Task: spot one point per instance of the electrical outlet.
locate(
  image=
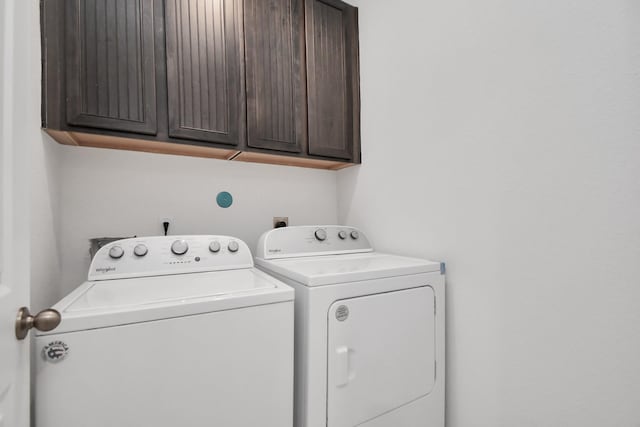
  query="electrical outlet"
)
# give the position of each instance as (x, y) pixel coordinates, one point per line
(280, 221)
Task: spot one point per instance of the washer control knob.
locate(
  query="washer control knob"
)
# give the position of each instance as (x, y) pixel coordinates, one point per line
(140, 250)
(342, 234)
(116, 252)
(233, 246)
(214, 246)
(321, 234)
(179, 247)
(355, 235)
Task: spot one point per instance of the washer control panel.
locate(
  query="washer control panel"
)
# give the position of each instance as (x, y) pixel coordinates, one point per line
(164, 255)
(290, 242)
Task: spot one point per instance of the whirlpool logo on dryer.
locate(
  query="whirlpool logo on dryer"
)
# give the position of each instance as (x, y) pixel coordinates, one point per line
(105, 269)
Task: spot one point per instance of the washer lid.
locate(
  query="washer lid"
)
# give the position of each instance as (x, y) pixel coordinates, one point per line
(333, 269)
(100, 304)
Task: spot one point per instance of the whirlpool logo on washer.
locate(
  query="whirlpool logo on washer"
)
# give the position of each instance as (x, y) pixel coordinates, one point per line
(105, 269)
(55, 351)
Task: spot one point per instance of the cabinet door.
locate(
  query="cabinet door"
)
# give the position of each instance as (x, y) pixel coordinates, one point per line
(110, 65)
(204, 70)
(333, 79)
(274, 55)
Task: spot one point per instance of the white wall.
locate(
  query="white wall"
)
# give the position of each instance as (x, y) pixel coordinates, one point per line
(504, 138)
(43, 174)
(119, 193)
(44, 224)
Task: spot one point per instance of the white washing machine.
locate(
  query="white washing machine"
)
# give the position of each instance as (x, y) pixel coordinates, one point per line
(169, 331)
(369, 329)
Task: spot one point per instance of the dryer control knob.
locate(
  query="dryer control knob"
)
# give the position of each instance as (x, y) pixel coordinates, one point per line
(179, 247)
(233, 246)
(140, 250)
(321, 234)
(355, 235)
(214, 246)
(342, 234)
(116, 252)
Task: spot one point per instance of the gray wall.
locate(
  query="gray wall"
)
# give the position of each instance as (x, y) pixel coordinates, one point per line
(504, 138)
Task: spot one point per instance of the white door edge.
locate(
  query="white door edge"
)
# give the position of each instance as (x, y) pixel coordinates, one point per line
(19, 124)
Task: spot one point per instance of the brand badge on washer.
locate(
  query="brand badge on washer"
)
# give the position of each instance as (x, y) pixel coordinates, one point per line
(55, 351)
(342, 313)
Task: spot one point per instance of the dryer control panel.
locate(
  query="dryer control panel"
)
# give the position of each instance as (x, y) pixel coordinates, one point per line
(164, 255)
(300, 241)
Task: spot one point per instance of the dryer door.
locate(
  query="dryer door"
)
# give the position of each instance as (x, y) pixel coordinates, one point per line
(381, 354)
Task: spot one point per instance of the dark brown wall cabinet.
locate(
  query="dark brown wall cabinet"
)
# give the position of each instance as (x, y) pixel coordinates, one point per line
(273, 81)
(204, 70)
(110, 65)
(274, 54)
(332, 79)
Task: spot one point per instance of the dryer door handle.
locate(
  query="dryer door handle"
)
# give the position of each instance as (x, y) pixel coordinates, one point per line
(341, 376)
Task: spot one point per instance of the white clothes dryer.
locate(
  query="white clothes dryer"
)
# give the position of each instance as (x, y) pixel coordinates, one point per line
(169, 331)
(369, 329)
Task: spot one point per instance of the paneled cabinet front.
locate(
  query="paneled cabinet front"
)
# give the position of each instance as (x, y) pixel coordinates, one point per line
(110, 68)
(205, 76)
(276, 96)
(269, 81)
(332, 79)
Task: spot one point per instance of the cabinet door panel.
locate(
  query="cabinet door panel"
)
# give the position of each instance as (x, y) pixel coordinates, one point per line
(332, 79)
(110, 64)
(204, 70)
(274, 54)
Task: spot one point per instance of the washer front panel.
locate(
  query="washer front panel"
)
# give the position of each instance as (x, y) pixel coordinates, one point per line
(227, 368)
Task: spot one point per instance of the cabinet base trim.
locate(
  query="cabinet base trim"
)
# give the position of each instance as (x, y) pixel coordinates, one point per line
(273, 159)
(119, 143)
(83, 139)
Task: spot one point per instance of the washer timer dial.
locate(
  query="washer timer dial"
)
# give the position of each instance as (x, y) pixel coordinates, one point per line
(179, 247)
(116, 252)
(214, 246)
(233, 246)
(140, 250)
(321, 234)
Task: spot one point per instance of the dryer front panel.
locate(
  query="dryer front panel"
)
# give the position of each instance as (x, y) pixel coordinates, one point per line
(381, 354)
